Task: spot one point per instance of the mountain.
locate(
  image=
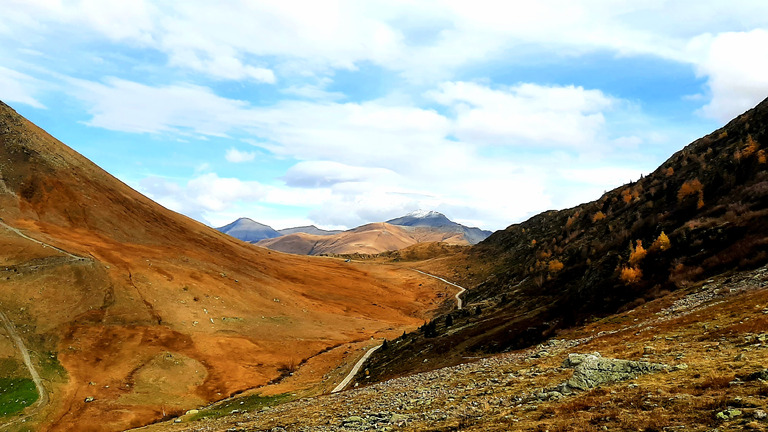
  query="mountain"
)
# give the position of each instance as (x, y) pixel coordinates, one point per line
(249, 230)
(438, 221)
(371, 238)
(131, 312)
(311, 229)
(701, 214)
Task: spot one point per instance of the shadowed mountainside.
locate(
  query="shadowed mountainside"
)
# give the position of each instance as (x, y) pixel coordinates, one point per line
(133, 312)
(702, 213)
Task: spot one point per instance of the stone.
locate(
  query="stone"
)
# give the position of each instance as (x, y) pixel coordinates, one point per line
(89, 399)
(192, 412)
(398, 419)
(592, 370)
(728, 414)
(759, 375)
(352, 419)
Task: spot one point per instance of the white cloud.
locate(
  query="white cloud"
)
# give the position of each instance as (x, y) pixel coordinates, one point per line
(313, 174)
(129, 106)
(236, 156)
(18, 87)
(424, 41)
(525, 114)
(736, 65)
(202, 195)
(376, 160)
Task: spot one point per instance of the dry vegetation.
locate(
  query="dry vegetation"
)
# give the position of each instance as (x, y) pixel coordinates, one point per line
(713, 333)
(134, 313)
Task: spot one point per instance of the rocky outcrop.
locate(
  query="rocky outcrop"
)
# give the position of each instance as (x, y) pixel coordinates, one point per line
(593, 370)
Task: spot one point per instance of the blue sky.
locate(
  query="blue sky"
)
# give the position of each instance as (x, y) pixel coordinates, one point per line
(339, 113)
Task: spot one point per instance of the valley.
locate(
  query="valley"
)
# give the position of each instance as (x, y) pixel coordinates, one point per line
(134, 316)
(132, 313)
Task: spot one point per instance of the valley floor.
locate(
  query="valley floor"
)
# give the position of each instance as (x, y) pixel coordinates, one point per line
(713, 336)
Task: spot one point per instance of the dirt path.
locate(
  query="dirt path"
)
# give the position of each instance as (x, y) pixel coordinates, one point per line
(360, 362)
(43, 399)
(17, 231)
(459, 302)
(354, 370)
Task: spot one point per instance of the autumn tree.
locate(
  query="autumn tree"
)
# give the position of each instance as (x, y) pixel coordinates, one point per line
(637, 253)
(661, 243)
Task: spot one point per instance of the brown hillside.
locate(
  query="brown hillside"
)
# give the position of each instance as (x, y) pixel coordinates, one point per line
(150, 313)
(367, 239)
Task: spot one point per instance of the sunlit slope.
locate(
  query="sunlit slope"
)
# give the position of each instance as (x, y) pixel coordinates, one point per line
(148, 312)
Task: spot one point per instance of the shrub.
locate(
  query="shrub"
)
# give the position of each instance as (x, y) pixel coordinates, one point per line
(630, 275)
(750, 147)
(637, 253)
(689, 188)
(661, 243)
(626, 195)
(598, 216)
(555, 266)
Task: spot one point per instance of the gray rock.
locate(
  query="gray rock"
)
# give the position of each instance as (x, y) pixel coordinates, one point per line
(759, 375)
(728, 414)
(352, 419)
(592, 370)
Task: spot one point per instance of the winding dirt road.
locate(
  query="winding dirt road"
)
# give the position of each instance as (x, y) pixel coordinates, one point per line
(11, 329)
(359, 364)
(15, 230)
(459, 302)
(43, 399)
(354, 370)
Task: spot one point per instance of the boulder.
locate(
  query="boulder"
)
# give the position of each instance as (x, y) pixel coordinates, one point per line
(592, 370)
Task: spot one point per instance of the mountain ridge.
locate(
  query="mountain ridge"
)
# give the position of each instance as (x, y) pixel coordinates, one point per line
(433, 226)
(699, 214)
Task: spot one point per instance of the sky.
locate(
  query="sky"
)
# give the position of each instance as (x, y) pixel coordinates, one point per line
(340, 113)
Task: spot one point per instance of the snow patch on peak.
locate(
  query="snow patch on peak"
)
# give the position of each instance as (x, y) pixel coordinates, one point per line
(421, 214)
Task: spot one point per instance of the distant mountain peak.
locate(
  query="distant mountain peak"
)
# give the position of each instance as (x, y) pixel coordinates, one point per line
(249, 230)
(437, 220)
(421, 214)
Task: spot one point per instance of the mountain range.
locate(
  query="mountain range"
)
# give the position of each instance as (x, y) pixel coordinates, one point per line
(416, 227)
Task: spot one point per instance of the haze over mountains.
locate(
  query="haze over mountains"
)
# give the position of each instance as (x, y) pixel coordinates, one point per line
(416, 227)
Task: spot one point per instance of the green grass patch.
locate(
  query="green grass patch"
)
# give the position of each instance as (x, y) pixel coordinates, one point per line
(245, 403)
(11, 367)
(51, 368)
(16, 394)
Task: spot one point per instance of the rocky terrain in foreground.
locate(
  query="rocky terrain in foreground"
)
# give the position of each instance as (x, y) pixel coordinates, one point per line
(693, 360)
